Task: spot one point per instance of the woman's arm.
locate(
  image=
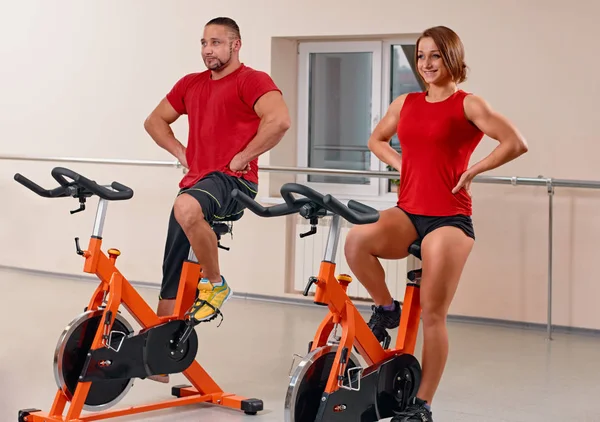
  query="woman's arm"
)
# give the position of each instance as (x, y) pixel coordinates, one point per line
(496, 126)
(379, 141)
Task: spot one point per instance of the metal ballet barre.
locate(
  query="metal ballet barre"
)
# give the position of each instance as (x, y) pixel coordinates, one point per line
(549, 183)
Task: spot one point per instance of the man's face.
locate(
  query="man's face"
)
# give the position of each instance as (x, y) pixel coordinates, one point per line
(218, 46)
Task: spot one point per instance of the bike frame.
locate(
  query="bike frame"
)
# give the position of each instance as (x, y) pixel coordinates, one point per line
(116, 290)
(332, 293)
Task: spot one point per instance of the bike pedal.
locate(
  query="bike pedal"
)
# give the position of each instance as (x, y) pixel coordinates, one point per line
(195, 322)
(387, 341)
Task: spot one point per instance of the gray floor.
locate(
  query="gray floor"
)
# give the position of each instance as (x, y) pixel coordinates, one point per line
(494, 374)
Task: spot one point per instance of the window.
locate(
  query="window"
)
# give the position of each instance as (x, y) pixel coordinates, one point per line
(343, 90)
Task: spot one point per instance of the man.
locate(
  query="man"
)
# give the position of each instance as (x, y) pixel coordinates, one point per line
(235, 114)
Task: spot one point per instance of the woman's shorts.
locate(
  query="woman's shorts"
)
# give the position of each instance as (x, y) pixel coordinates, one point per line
(425, 224)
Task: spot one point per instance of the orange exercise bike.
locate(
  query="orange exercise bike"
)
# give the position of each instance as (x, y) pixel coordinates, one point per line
(98, 356)
(329, 384)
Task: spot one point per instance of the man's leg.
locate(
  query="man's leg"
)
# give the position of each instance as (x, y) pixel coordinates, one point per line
(177, 248)
(191, 217)
(194, 210)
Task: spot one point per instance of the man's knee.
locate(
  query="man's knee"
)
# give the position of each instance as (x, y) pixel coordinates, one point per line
(187, 211)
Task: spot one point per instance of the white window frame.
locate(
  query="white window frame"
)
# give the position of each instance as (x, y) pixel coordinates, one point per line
(386, 100)
(304, 51)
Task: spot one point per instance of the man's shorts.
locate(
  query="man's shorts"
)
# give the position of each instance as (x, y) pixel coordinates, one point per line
(213, 193)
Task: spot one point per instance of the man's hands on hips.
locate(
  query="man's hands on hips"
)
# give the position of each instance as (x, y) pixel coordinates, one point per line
(181, 157)
(239, 164)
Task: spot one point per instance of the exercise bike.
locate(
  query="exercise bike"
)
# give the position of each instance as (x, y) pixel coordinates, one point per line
(329, 384)
(98, 356)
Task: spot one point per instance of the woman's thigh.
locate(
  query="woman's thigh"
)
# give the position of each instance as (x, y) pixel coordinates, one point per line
(387, 238)
(444, 254)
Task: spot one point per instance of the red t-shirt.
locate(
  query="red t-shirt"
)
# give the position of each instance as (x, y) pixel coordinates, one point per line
(221, 117)
(437, 141)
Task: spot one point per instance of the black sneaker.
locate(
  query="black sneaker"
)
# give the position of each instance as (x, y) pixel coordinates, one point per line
(414, 412)
(382, 320)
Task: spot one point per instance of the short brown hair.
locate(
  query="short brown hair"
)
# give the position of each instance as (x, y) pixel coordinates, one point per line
(451, 48)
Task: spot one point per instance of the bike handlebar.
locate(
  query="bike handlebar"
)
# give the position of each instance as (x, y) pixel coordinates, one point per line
(355, 212)
(74, 188)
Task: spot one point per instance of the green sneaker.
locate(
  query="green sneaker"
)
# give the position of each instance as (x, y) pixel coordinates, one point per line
(210, 300)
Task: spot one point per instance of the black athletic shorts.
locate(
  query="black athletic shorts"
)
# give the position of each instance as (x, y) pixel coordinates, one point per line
(213, 193)
(425, 224)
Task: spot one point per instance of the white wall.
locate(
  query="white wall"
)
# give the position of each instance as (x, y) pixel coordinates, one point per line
(78, 78)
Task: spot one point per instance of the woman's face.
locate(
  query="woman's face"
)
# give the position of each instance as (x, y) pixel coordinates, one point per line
(430, 63)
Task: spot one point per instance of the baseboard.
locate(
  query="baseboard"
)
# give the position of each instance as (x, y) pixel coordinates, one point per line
(362, 306)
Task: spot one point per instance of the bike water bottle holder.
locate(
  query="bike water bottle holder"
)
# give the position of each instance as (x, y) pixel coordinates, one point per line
(359, 370)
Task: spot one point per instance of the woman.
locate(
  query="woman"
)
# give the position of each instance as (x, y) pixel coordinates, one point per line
(438, 130)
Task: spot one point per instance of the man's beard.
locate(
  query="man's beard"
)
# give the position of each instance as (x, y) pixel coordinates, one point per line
(218, 65)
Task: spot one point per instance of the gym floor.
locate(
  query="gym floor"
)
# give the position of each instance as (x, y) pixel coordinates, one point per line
(494, 373)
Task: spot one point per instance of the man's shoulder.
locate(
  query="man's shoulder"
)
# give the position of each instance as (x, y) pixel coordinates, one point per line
(195, 77)
(247, 72)
(245, 69)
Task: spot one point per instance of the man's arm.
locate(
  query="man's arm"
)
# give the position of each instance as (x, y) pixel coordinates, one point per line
(274, 122)
(158, 126)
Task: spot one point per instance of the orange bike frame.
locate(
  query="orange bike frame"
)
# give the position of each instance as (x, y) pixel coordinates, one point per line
(118, 291)
(332, 293)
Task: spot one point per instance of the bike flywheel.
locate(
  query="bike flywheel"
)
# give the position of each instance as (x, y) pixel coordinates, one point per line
(308, 383)
(71, 354)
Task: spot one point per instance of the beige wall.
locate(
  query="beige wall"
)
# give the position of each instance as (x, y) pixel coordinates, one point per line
(79, 78)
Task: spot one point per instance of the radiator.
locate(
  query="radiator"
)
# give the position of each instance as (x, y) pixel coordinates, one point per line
(309, 252)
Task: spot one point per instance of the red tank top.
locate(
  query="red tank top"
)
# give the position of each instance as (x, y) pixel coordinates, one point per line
(437, 141)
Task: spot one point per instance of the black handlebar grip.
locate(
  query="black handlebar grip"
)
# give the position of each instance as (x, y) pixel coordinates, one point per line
(289, 188)
(31, 185)
(369, 213)
(46, 193)
(249, 203)
(59, 174)
(273, 211)
(357, 216)
(123, 192)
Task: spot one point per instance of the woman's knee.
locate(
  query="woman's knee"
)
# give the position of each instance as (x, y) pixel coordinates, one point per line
(433, 316)
(357, 244)
(187, 211)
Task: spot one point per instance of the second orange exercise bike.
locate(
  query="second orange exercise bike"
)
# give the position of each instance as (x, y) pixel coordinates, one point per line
(329, 384)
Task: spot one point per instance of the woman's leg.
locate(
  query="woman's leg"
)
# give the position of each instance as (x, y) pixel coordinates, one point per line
(444, 252)
(388, 238)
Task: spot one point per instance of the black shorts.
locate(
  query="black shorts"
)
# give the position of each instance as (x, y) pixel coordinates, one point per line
(213, 193)
(425, 224)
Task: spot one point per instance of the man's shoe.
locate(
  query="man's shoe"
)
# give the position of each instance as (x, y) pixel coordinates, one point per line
(210, 300)
(382, 319)
(416, 411)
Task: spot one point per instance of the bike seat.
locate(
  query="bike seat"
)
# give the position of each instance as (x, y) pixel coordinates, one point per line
(415, 248)
(229, 218)
(220, 226)
(233, 217)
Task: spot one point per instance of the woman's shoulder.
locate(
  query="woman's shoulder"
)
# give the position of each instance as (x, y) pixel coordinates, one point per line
(475, 105)
(403, 99)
